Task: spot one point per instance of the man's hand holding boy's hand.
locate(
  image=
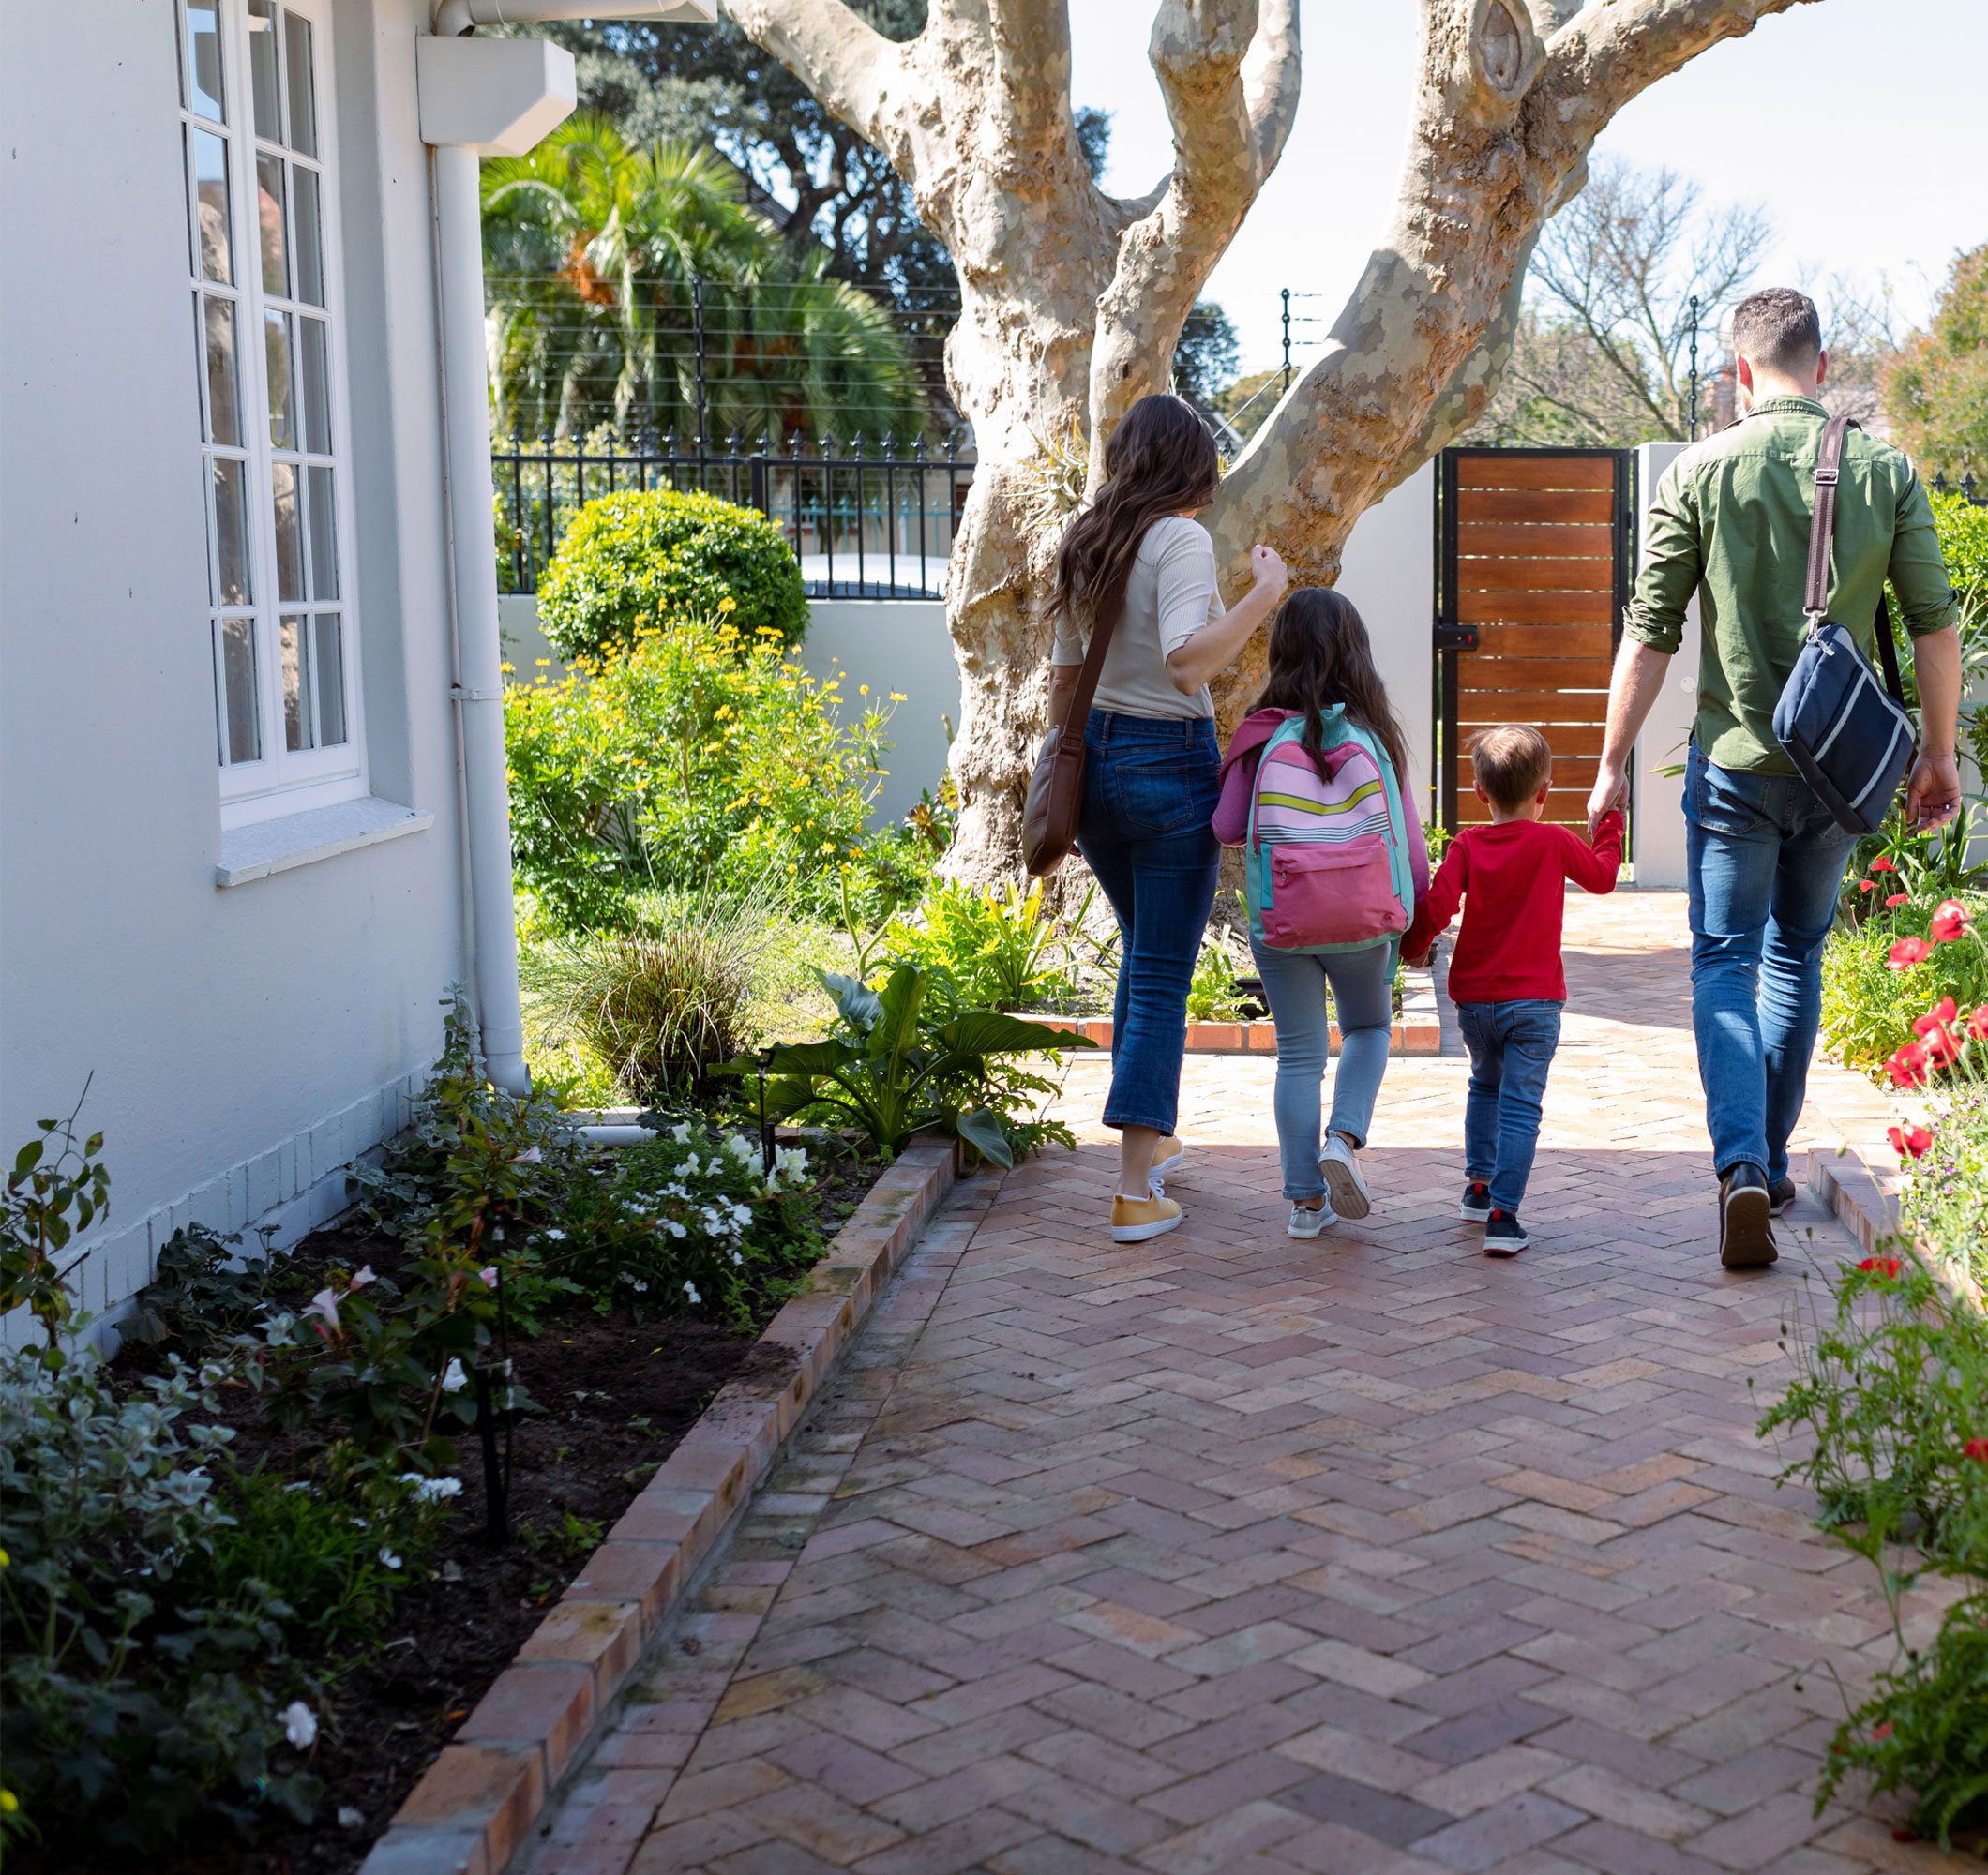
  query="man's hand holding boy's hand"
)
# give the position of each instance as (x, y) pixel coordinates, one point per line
(1610, 795)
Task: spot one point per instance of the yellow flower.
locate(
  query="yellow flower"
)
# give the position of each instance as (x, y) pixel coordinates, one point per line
(8, 1802)
(899, 696)
(863, 690)
(507, 668)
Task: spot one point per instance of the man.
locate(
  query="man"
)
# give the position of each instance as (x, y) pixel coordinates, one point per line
(1730, 522)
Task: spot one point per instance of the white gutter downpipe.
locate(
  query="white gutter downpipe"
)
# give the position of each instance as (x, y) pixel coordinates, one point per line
(489, 97)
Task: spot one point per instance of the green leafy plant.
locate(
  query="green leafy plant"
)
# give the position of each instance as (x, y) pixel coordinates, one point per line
(895, 1070)
(661, 1004)
(201, 1292)
(646, 559)
(1213, 994)
(987, 949)
(700, 759)
(1891, 1400)
(57, 1189)
(129, 1704)
(1882, 974)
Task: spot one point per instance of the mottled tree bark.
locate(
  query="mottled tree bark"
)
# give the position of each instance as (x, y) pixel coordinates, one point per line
(1072, 301)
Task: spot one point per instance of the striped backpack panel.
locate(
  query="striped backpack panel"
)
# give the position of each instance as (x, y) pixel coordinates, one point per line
(1326, 867)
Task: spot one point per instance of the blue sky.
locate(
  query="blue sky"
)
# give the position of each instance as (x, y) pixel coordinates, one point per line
(1862, 126)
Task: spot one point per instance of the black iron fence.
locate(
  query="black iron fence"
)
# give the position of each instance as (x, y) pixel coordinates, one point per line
(865, 522)
(1966, 489)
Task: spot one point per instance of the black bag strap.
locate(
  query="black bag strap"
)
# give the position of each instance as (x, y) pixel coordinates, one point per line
(1887, 653)
(1822, 530)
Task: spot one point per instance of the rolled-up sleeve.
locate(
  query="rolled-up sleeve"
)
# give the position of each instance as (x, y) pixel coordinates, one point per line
(1918, 575)
(1673, 563)
(1185, 591)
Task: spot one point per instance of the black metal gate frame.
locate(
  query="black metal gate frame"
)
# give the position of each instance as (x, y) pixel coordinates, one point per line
(1452, 637)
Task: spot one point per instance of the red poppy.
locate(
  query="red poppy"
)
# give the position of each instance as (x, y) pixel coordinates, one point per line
(1951, 920)
(1866, 885)
(1908, 1066)
(1883, 1731)
(1907, 952)
(1881, 864)
(1897, 899)
(1910, 1142)
(1978, 1023)
(1938, 1016)
(1942, 1049)
(1977, 1448)
(1887, 1266)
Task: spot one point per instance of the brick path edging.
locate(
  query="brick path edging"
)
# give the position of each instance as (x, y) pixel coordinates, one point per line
(1418, 1030)
(478, 1803)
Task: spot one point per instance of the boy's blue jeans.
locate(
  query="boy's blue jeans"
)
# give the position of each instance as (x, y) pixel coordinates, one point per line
(1511, 1046)
(1294, 984)
(1764, 862)
(1151, 784)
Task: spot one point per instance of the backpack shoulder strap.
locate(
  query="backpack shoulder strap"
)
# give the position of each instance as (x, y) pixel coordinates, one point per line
(1887, 653)
(1822, 521)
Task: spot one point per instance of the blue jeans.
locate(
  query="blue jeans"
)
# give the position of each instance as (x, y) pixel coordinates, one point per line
(1764, 863)
(1511, 1046)
(1362, 991)
(1151, 783)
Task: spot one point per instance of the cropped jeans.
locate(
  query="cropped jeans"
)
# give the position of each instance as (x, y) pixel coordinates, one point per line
(1294, 984)
(1512, 1047)
(1764, 863)
(1151, 783)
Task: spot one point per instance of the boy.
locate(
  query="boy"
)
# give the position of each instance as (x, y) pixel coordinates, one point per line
(1506, 979)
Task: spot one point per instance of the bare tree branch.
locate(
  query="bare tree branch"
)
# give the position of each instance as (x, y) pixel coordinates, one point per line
(1269, 82)
(840, 57)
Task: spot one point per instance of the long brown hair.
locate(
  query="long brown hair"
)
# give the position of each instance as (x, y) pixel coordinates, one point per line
(1161, 461)
(1319, 655)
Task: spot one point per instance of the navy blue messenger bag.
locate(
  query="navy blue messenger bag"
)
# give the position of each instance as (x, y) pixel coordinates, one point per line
(1847, 734)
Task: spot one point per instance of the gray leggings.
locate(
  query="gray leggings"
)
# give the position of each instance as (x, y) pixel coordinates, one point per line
(1362, 991)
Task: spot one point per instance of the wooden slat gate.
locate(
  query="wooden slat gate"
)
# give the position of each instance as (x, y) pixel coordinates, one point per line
(1536, 555)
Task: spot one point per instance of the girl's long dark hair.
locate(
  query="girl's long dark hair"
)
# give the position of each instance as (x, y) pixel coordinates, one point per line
(1161, 461)
(1319, 655)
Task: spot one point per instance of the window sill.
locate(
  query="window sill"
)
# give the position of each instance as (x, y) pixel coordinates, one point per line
(265, 847)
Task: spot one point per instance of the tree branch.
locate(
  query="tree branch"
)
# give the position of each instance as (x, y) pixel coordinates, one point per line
(1228, 70)
(838, 55)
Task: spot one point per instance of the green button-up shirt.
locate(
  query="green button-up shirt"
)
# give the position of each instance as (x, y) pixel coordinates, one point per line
(1730, 521)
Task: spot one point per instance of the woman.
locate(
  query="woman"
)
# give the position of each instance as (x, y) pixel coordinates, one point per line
(1136, 559)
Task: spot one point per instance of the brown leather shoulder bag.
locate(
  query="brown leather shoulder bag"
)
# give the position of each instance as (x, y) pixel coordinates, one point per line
(1056, 788)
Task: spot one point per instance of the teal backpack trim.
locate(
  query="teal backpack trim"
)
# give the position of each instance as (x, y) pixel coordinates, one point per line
(1255, 859)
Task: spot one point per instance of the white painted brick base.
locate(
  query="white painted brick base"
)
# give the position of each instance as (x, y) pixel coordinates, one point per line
(287, 1191)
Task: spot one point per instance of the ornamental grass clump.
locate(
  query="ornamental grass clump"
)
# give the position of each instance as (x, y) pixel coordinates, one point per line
(663, 1004)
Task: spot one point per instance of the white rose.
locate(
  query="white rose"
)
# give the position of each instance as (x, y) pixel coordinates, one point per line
(300, 1725)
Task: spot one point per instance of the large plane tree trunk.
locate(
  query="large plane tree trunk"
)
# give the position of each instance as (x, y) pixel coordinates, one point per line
(1072, 300)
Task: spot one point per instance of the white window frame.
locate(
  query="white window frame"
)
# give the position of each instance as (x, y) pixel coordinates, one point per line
(282, 781)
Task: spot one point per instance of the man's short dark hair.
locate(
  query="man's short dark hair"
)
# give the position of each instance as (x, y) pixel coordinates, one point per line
(1511, 763)
(1779, 328)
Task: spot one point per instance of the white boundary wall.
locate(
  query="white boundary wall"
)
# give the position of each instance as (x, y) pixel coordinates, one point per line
(1656, 843)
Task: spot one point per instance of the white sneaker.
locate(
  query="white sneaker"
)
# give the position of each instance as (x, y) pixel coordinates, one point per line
(1339, 1167)
(1306, 1223)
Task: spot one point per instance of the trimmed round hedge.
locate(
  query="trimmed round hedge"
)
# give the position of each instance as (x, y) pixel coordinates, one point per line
(645, 557)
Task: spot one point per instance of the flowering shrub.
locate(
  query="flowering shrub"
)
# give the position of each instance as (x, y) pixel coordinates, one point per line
(701, 758)
(1893, 1391)
(1915, 939)
(987, 949)
(689, 1224)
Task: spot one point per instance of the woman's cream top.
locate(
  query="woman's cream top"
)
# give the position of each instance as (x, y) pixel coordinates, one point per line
(1170, 596)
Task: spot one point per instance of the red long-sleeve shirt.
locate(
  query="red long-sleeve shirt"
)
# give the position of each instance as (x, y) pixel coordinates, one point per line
(1510, 876)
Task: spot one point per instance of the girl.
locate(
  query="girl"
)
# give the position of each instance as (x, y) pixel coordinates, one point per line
(1136, 561)
(1321, 670)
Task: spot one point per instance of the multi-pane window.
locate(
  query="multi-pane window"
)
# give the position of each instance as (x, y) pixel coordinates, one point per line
(254, 91)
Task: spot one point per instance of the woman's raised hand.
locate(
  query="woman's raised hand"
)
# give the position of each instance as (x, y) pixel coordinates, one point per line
(1267, 568)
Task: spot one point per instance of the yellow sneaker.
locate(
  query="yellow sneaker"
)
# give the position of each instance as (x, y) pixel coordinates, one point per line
(1135, 1220)
(1168, 1154)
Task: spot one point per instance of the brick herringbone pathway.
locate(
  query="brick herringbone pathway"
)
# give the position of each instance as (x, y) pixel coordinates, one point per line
(1227, 1552)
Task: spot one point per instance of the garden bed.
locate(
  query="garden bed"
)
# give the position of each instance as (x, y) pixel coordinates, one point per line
(614, 1397)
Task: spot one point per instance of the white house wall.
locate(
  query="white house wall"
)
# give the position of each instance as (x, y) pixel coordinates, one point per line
(240, 1044)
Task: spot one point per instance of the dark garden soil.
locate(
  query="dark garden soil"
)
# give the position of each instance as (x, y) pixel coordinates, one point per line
(616, 1396)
